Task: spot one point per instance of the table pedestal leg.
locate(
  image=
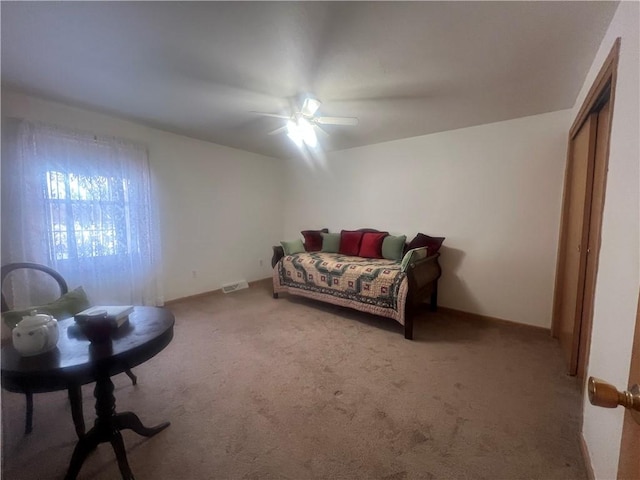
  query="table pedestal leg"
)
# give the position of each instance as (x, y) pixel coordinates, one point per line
(107, 429)
(129, 420)
(75, 399)
(28, 426)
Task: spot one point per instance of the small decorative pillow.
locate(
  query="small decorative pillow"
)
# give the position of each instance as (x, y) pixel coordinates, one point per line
(350, 242)
(292, 247)
(393, 247)
(371, 245)
(413, 256)
(422, 240)
(330, 242)
(313, 239)
(64, 307)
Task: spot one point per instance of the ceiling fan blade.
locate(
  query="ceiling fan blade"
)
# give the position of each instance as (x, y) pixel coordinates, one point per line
(276, 115)
(277, 130)
(337, 120)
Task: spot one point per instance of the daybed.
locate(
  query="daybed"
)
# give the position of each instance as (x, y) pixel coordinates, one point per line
(356, 273)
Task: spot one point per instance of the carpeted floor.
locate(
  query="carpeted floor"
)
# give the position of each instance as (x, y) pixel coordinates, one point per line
(257, 388)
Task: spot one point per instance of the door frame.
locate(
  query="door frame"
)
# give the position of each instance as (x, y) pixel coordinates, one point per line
(605, 81)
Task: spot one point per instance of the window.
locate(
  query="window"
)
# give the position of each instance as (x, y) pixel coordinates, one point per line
(88, 215)
(81, 204)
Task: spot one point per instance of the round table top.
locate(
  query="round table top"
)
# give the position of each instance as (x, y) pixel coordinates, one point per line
(75, 360)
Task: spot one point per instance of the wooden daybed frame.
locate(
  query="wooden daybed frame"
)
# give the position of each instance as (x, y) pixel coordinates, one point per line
(422, 278)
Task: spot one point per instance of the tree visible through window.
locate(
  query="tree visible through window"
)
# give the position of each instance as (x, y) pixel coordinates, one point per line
(88, 215)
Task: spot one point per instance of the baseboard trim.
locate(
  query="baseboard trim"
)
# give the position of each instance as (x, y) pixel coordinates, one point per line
(210, 293)
(445, 310)
(587, 458)
(475, 316)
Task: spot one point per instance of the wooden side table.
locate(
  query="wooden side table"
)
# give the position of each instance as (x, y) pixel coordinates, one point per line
(76, 361)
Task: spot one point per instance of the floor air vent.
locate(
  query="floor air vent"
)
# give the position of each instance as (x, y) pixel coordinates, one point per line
(232, 287)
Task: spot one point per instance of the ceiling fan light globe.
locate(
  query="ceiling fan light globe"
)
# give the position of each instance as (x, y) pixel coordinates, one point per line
(307, 133)
(296, 140)
(294, 133)
(311, 141)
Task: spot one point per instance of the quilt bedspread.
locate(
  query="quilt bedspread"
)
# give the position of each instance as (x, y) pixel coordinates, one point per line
(376, 286)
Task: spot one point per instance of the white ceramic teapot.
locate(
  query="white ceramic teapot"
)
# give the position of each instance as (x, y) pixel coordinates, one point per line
(35, 334)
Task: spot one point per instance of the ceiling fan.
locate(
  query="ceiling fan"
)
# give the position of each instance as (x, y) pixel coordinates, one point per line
(300, 124)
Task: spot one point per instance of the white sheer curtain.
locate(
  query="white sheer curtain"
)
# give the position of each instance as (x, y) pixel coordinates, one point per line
(82, 205)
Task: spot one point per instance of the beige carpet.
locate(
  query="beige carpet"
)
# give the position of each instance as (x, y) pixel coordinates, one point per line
(257, 388)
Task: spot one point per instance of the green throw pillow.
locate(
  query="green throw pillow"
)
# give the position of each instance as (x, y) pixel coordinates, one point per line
(330, 242)
(413, 255)
(295, 246)
(66, 306)
(393, 247)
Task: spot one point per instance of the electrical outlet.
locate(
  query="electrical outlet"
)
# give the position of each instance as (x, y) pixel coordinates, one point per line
(194, 274)
(260, 262)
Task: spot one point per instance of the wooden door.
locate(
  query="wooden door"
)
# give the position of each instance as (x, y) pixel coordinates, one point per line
(594, 222)
(573, 252)
(582, 209)
(629, 464)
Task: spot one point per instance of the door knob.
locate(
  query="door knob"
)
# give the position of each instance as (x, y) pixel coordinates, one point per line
(603, 394)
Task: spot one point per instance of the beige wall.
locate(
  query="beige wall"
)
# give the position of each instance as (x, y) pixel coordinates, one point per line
(616, 294)
(493, 190)
(219, 208)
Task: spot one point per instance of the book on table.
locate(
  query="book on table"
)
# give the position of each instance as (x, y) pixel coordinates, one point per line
(114, 313)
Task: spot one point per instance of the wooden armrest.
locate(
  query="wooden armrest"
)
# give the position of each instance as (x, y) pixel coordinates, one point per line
(422, 276)
(278, 253)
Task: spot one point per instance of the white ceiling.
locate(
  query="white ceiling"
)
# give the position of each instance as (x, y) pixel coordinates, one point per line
(403, 68)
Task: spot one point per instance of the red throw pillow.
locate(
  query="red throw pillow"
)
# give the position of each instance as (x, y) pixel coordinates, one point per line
(350, 242)
(422, 240)
(313, 239)
(371, 246)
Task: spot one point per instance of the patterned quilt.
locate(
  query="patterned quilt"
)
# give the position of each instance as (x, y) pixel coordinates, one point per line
(372, 285)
